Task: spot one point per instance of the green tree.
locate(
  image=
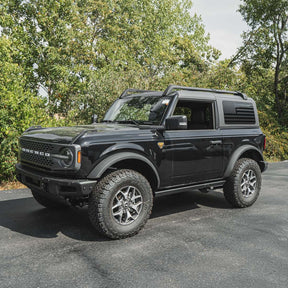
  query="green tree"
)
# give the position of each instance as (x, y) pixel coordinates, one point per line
(64, 45)
(266, 44)
(50, 37)
(19, 108)
(84, 53)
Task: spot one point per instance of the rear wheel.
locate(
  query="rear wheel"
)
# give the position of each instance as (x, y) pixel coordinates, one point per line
(243, 186)
(120, 204)
(49, 201)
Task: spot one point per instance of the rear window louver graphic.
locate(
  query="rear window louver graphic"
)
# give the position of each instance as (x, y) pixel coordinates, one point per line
(238, 113)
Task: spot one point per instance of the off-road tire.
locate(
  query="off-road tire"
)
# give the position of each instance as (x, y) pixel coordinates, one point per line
(49, 201)
(101, 198)
(232, 187)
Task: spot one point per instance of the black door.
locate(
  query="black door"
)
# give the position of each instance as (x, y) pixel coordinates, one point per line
(195, 159)
(197, 153)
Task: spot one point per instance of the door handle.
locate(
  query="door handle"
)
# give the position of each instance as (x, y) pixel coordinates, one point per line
(216, 142)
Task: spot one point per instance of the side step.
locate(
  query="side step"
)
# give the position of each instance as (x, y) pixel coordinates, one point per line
(215, 184)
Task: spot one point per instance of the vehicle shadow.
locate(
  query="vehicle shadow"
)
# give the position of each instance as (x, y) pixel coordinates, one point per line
(188, 200)
(27, 217)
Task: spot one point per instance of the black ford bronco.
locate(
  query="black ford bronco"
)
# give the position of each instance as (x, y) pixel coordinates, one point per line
(148, 144)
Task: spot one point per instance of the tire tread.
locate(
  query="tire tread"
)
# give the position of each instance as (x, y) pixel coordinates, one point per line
(101, 191)
(231, 186)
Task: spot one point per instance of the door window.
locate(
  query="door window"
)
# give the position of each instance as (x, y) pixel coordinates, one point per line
(199, 114)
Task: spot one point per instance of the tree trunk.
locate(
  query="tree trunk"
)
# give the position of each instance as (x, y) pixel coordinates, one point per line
(277, 98)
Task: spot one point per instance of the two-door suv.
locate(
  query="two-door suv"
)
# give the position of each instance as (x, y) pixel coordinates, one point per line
(148, 144)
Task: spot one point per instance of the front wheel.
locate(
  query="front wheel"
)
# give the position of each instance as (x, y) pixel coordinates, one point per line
(243, 186)
(120, 204)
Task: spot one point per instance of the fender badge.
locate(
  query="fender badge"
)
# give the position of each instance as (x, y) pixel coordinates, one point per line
(160, 144)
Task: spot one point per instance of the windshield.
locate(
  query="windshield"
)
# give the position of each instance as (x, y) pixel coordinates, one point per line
(138, 110)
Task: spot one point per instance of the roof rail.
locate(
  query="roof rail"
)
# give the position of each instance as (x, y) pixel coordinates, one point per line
(131, 90)
(175, 87)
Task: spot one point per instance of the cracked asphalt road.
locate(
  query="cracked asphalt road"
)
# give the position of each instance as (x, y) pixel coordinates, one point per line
(191, 240)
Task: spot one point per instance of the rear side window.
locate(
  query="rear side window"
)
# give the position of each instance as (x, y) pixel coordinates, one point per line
(238, 112)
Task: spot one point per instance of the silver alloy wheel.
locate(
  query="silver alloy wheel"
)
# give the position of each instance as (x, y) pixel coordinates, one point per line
(127, 205)
(248, 183)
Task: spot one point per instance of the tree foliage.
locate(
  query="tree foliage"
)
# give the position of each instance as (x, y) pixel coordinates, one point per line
(19, 108)
(84, 53)
(266, 45)
(64, 44)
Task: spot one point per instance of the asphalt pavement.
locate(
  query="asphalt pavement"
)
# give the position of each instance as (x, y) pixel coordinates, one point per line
(191, 240)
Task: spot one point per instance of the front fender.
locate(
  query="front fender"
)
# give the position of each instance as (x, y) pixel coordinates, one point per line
(101, 167)
(122, 146)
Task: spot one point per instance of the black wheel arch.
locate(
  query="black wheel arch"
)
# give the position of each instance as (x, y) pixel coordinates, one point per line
(246, 151)
(128, 160)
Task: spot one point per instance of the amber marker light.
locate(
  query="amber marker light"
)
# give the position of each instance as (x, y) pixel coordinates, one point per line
(79, 157)
(160, 144)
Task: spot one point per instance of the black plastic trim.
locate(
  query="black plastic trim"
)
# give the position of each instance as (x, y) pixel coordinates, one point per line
(214, 184)
(176, 87)
(237, 154)
(131, 90)
(100, 168)
(57, 186)
(264, 166)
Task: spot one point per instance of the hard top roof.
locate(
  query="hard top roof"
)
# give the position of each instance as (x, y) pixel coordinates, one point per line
(181, 89)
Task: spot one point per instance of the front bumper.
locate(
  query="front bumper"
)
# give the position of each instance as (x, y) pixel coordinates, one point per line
(73, 188)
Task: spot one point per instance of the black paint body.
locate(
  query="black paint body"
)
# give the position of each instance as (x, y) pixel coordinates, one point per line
(200, 158)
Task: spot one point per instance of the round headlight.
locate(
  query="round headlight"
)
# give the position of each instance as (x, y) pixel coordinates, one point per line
(68, 158)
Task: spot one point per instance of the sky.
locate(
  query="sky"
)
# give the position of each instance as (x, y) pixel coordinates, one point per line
(222, 22)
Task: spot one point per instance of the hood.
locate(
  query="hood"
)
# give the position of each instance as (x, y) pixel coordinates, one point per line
(68, 135)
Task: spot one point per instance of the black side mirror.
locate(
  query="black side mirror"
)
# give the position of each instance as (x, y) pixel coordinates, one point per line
(94, 118)
(177, 122)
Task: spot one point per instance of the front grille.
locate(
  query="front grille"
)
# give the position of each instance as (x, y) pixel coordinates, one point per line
(38, 146)
(37, 160)
(37, 153)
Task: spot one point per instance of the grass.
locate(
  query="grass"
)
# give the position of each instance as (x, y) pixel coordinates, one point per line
(11, 185)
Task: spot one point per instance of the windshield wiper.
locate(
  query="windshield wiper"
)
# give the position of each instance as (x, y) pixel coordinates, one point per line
(108, 121)
(129, 121)
(148, 123)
